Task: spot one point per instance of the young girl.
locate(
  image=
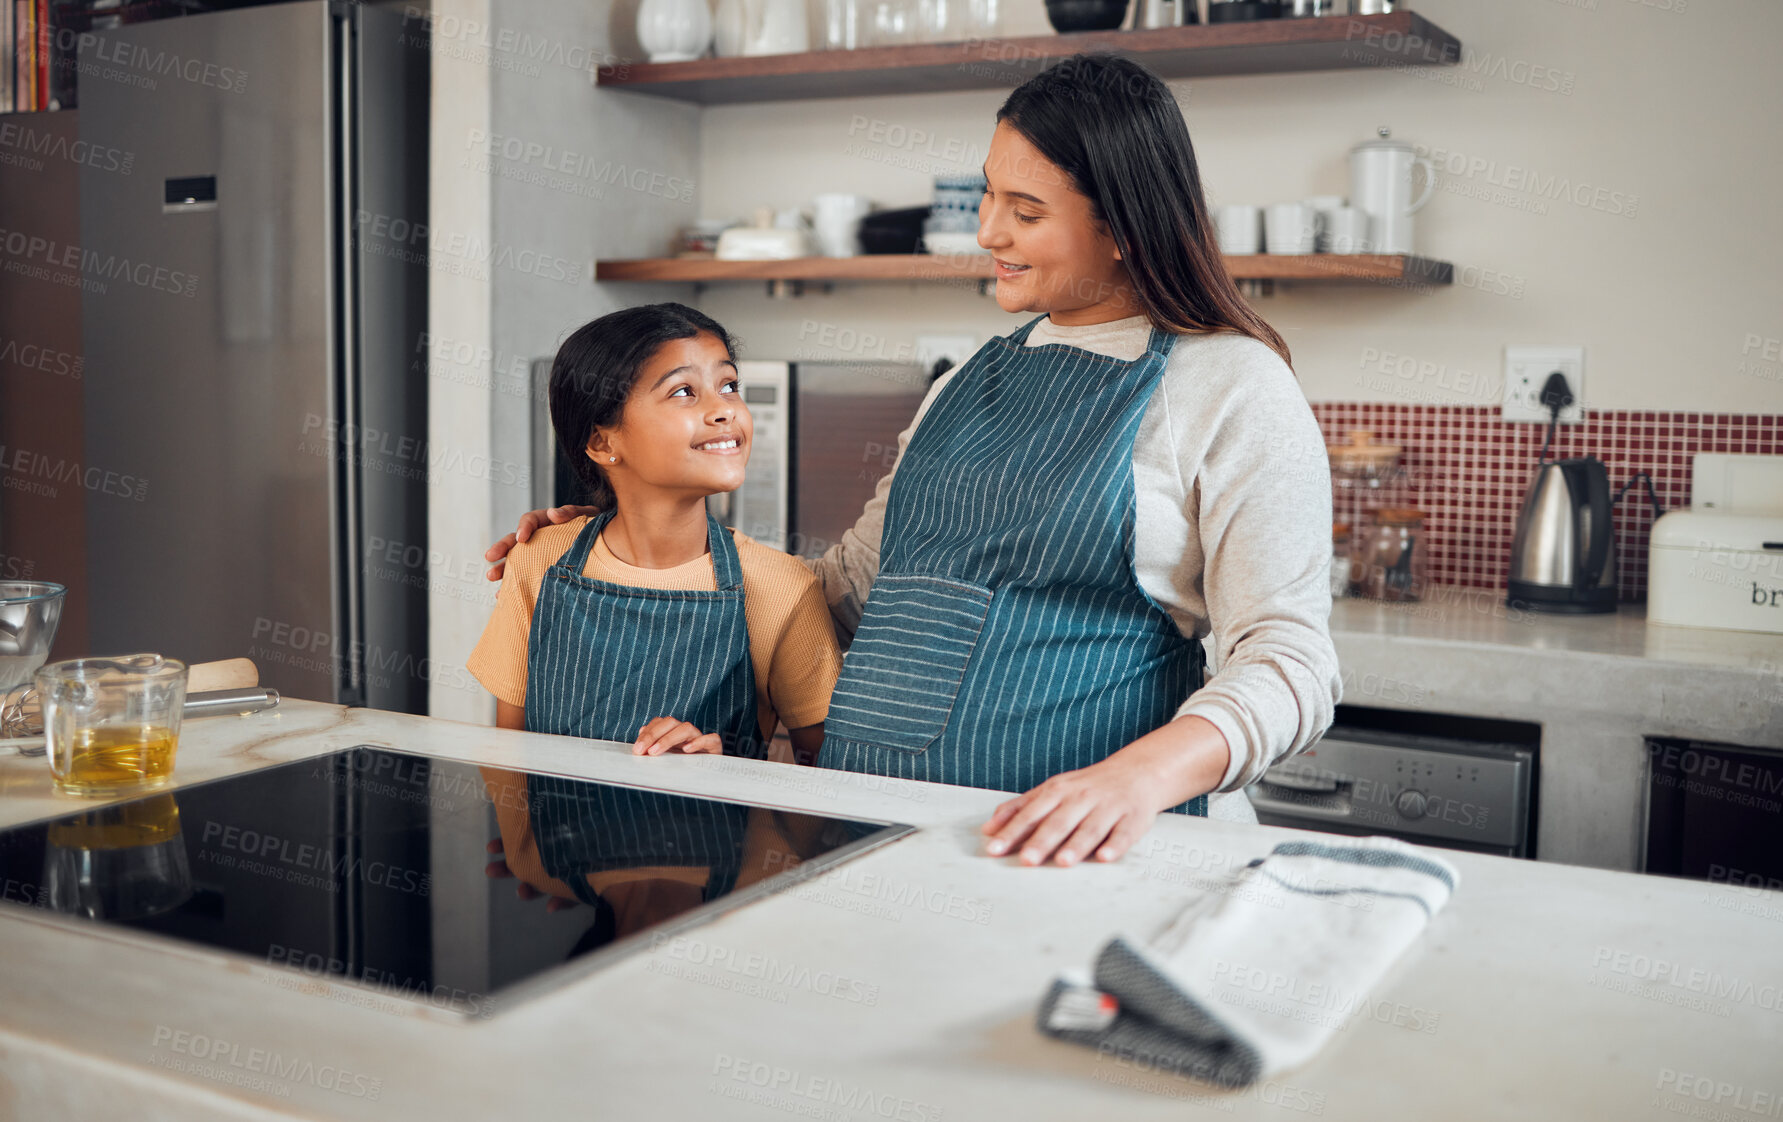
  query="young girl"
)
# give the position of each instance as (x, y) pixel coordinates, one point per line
(648, 623)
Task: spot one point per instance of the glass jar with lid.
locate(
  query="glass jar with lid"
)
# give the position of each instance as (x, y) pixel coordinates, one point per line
(1392, 561)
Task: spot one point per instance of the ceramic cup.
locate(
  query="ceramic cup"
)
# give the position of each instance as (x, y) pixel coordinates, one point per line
(836, 220)
(1290, 228)
(1240, 229)
(1322, 206)
(1346, 231)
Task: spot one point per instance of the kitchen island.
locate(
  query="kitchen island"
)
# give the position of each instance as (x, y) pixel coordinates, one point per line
(1541, 991)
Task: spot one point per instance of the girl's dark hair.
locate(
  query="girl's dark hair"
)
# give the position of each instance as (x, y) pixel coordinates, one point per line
(1115, 129)
(596, 368)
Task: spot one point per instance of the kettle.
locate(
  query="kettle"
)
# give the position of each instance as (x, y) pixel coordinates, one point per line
(1563, 558)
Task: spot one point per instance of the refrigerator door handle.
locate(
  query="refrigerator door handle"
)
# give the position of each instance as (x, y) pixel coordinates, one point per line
(349, 523)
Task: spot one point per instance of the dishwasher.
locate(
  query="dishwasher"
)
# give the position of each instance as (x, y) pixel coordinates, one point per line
(1429, 779)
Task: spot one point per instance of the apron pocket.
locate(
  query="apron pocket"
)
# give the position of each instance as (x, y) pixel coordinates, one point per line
(904, 669)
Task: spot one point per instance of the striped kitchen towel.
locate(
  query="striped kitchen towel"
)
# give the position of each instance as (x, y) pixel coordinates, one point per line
(1253, 979)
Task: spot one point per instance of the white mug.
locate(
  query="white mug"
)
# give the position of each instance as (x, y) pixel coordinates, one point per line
(836, 220)
(1240, 229)
(1290, 228)
(1322, 206)
(1346, 231)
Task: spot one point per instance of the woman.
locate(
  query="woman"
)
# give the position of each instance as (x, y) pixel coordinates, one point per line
(1083, 501)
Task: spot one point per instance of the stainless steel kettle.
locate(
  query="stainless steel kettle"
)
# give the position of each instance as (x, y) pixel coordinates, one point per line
(1563, 558)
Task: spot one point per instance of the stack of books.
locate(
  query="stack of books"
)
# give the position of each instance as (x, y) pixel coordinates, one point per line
(40, 42)
(26, 42)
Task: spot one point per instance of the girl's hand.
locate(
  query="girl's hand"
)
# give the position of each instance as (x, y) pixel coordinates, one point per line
(666, 734)
(1106, 807)
(498, 869)
(532, 520)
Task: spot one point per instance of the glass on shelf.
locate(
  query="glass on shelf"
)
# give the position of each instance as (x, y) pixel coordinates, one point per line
(891, 23)
(844, 27)
(982, 19)
(939, 21)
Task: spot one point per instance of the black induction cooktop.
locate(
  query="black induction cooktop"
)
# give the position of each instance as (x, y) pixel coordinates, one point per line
(462, 887)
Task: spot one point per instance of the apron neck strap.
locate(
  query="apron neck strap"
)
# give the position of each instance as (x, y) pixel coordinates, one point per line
(727, 569)
(576, 559)
(1020, 335)
(1161, 342)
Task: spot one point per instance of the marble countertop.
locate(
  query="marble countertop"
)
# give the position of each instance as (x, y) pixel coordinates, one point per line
(1479, 618)
(1542, 991)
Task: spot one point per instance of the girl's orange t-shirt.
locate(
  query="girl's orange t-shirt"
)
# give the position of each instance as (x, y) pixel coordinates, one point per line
(792, 644)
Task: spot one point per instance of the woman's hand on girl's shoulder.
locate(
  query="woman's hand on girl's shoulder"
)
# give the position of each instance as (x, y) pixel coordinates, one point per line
(667, 734)
(497, 554)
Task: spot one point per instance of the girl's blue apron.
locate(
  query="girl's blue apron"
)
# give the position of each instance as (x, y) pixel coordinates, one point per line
(604, 659)
(1006, 638)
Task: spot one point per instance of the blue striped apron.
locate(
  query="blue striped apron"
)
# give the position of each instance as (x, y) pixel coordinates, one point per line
(604, 659)
(1006, 638)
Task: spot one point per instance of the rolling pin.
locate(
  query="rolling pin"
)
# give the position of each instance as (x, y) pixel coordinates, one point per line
(227, 674)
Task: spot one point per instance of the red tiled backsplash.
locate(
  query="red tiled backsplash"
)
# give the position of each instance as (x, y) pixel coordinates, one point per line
(1467, 471)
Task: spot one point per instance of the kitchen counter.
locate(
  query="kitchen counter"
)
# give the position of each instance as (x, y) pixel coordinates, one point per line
(1542, 991)
(1597, 684)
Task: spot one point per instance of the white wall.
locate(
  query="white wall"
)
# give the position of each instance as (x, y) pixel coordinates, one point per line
(458, 507)
(532, 169)
(1670, 106)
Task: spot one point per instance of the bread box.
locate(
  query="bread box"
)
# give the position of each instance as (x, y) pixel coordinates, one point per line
(1717, 568)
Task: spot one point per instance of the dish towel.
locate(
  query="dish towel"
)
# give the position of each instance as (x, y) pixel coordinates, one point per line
(1251, 980)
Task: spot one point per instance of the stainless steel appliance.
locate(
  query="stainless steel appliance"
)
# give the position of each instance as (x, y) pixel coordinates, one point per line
(1451, 791)
(761, 507)
(846, 421)
(1563, 555)
(256, 287)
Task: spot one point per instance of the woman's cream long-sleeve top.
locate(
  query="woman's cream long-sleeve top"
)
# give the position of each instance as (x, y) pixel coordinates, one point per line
(1232, 494)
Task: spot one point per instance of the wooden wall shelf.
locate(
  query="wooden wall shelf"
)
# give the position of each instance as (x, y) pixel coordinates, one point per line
(1200, 51)
(1323, 267)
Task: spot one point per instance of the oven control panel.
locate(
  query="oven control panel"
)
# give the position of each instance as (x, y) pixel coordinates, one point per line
(1409, 786)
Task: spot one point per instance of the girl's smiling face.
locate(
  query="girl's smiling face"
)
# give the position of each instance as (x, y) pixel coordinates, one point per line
(684, 429)
(1052, 254)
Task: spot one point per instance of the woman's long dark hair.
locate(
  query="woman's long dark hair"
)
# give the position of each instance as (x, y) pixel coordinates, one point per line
(1115, 129)
(596, 368)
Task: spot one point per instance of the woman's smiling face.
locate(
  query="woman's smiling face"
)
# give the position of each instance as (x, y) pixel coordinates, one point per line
(1052, 255)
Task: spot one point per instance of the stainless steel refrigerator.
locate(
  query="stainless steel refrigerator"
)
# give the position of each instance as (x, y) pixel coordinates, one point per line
(249, 345)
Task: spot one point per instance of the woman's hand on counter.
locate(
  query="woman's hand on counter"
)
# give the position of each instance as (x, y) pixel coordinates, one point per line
(667, 734)
(497, 554)
(1106, 807)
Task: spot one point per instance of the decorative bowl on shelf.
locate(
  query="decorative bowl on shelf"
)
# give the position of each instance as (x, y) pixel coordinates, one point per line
(952, 243)
(674, 30)
(1086, 15)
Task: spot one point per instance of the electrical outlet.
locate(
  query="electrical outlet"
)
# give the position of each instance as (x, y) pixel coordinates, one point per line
(1526, 371)
(956, 348)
